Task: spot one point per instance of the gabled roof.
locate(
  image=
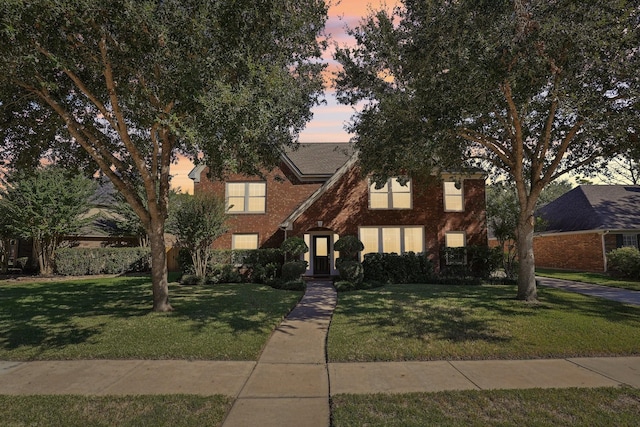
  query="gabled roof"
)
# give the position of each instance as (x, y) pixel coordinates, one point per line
(317, 161)
(594, 207)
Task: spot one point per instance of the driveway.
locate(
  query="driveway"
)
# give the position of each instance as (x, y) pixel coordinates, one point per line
(615, 294)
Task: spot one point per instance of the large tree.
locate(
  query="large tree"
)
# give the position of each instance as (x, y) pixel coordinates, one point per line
(533, 89)
(126, 85)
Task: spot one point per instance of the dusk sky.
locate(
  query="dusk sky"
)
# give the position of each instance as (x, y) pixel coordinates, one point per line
(328, 120)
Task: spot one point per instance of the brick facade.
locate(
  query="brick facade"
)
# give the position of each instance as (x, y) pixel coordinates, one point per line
(343, 207)
(580, 251)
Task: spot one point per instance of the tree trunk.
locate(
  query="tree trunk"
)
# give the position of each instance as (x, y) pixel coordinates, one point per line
(527, 290)
(159, 274)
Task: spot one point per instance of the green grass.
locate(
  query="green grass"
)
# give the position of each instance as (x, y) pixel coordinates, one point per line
(434, 322)
(535, 407)
(595, 278)
(111, 319)
(81, 411)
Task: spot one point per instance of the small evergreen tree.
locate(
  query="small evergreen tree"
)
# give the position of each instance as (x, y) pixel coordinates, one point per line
(196, 222)
(46, 206)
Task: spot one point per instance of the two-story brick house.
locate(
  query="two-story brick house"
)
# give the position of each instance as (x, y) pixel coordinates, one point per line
(318, 193)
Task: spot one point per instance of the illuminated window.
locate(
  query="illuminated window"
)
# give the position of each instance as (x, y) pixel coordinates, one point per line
(453, 198)
(455, 243)
(244, 241)
(392, 195)
(392, 239)
(246, 197)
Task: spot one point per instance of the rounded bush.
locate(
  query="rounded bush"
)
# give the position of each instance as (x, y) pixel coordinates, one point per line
(294, 246)
(624, 262)
(292, 270)
(351, 271)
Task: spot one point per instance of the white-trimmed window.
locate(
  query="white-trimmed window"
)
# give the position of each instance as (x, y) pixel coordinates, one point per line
(392, 239)
(630, 240)
(392, 195)
(244, 241)
(453, 197)
(246, 197)
(455, 242)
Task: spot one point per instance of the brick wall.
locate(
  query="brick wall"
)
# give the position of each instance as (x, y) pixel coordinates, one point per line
(569, 251)
(284, 194)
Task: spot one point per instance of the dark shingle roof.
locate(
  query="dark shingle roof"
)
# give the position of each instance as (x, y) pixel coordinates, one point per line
(594, 207)
(319, 158)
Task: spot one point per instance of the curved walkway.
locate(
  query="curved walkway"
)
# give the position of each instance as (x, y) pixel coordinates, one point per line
(615, 294)
(291, 383)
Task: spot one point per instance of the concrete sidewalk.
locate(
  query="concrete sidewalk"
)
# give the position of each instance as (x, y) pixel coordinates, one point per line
(292, 381)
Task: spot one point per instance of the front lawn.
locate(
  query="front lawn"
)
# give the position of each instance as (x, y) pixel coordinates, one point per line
(595, 278)
(534, 407)
(96, 411)
(432, 322)
(111, 319)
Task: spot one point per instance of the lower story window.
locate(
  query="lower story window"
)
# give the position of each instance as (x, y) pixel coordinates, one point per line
(392, 239)
(630, 240)
(244, 241)
(455, 243)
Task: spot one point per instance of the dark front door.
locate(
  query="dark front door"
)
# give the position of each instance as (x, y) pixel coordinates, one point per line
(321, 255)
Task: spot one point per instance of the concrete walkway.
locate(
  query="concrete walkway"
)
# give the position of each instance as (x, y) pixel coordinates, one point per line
(292, 381)
(615, 294)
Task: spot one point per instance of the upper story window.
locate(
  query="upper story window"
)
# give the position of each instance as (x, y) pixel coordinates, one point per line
(246, 197)
(453, 197)
(392, 195)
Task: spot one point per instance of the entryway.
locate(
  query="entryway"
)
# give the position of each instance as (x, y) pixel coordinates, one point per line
(321, 251)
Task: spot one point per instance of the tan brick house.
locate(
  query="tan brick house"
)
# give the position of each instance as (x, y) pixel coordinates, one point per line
(318, 193)
(582, 225)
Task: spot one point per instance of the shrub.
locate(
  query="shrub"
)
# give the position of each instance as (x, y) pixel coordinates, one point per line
(89, 261)
(348, 246)
(471, 261)
(345, 286)
(393, 268)
(224, 273)
(292, 270)
(351, 271)
(192, 279)
(290, 285)
(294, 246)
(624, 262)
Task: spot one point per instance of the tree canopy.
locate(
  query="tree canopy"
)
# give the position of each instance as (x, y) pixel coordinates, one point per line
(126, 85)
(46, 205)
(530, 89)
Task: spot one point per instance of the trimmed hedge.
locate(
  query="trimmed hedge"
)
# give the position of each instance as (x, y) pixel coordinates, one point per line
(90, 261)
(393, 268)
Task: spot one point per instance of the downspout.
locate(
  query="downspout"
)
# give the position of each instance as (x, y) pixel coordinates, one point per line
(604, 250)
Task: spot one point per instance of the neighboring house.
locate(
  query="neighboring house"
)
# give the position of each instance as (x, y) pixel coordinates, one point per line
(318, 193)
(581, 226)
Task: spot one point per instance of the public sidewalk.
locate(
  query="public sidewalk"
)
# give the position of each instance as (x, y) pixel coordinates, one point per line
(292, 381)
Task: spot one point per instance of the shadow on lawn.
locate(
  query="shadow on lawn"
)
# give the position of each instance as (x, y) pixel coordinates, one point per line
(59, 314)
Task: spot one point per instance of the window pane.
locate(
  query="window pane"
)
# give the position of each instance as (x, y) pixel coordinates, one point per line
(235, 189)
(454, 240)
(373, 189)
(244, 241)
(396, 187)
(235, 204)
(257, 189)
(630, 240)
(256, 204)
(369, 238)
(414, 239)
(379, 201)
(402, 200)
(391, 240)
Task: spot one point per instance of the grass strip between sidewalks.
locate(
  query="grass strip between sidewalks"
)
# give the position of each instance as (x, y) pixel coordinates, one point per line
(111, 318)
(107, 411)
(594, 278)
(533, 407)
(436, 322)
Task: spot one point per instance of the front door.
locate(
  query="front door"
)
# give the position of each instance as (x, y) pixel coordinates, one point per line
(321, 255)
